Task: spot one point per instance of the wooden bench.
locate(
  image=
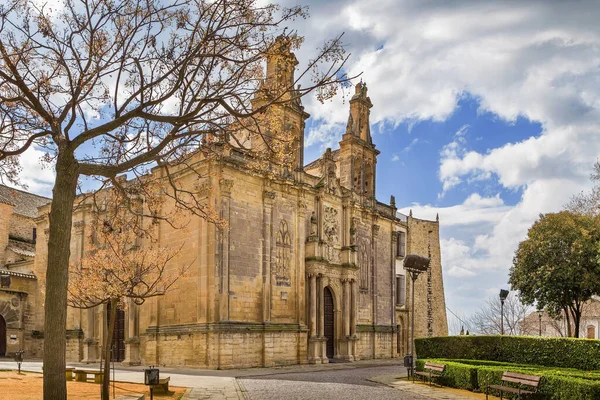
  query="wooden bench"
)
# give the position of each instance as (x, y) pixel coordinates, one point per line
(163, 386)
(432, 371)
(69, 373)
(530, 382)
(81, 375)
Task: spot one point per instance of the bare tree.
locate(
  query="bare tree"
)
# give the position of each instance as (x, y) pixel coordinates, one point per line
(123, 266)
(587, 203)
(487, 320)
(457, 323)
(109, 87)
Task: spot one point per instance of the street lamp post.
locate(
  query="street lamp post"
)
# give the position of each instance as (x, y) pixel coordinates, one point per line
(503, 296)
(540, 313)
(414, 265)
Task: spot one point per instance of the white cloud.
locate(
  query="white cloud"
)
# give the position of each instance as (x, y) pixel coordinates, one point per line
(537, 59)
(459, 272)
(411, 145)
(35, 174)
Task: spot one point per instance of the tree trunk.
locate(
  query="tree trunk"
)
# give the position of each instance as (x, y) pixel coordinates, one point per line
(107, 347)
(57, 277)
(569, 330)
(576, 320)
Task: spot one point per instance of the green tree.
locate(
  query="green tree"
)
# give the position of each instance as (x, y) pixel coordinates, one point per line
(557, 265)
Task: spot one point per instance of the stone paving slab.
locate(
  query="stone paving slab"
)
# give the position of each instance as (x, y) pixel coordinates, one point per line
(417, 388)
(202, 387)
(261, 389)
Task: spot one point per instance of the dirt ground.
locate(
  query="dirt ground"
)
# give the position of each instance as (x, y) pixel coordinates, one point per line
(28, 386)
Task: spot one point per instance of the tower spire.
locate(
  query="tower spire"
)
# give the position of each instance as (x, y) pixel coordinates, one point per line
(358, 121)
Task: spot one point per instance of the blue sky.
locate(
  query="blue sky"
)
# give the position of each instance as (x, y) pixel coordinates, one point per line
(485, 112)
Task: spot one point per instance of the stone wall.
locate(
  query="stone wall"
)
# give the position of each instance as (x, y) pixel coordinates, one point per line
(225, 346)
(6, 212)
(21, 227)
(430, 319)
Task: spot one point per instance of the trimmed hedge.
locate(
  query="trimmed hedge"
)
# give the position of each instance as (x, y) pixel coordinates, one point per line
(551, 352)
(563, 384)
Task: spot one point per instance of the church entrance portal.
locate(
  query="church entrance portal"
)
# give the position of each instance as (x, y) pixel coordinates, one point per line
(328, 321)
(2, 337)
(118, 339)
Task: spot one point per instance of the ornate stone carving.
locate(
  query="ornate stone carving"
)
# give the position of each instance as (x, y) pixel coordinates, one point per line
(332, 254)
(313, 236)
(363, 263)
(375, 229)
(226, 185)
(331, 225)
(283, 257)
(353, 231)
(302, 206)
(202, 188)
(267, 195)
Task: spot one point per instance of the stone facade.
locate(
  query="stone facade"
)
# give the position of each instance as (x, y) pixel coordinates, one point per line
(304, 272)
(20, 322)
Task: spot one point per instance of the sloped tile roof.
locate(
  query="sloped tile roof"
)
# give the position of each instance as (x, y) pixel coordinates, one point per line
(22, 248)
(25, 203)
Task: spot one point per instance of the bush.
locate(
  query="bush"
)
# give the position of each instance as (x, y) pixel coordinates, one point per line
(457, 375)
(560, 384)
(551, 352)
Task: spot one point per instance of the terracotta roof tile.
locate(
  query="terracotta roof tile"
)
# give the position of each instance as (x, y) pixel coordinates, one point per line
(25, 203)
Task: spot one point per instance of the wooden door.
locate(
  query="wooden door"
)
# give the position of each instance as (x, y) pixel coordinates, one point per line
(118, 339)
(2, 337)
(591, 332)
(328, 322)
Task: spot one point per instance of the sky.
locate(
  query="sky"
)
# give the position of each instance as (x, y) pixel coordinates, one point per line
(484, 112)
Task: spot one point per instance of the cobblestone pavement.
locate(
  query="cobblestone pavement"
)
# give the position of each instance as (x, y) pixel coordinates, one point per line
(347, 383)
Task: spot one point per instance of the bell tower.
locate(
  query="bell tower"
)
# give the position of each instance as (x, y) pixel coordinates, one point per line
(284, 121)
(358, 156)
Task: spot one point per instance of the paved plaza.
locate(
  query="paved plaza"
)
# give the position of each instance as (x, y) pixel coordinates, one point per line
(371, 379)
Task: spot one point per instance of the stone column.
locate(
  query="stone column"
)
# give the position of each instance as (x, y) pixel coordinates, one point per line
(353, 315)
(268, 199)
(132, 343)
(314, 342)
(225, 186)
(346, 283)
(354, 301)
(90, 340)
(321, 285)
(313, 305)
(321, 314)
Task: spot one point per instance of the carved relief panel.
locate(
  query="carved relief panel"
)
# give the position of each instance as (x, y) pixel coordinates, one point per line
(331, 234)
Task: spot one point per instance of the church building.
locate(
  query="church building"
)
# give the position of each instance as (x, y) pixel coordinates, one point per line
(307, 270)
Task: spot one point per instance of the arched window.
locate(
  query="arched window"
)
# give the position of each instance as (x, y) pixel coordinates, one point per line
(284, 246)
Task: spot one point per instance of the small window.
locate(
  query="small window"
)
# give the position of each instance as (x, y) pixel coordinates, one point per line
(401, 244)
(400, 290)
(5, 281)
(34, 234)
